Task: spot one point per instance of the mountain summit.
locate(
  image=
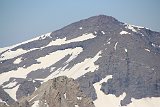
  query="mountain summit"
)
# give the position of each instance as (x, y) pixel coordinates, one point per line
(104, 61)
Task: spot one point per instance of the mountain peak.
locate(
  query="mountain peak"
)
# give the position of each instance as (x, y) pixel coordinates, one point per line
(99, 20)
(103, 18)
(89, 25)
(102, 55)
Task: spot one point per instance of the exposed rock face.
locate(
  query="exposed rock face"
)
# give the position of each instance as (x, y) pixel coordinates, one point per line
(57, 92)
(26, 88)
(3, 104)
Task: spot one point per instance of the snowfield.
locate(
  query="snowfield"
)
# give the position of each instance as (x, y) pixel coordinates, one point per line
(124, 33)
(44, 62)
(78, 39)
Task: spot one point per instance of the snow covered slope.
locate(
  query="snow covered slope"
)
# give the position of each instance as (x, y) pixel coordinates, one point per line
(88, 51)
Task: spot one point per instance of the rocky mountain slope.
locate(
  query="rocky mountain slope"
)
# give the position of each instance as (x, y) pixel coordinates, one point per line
(57, 92)
(114, 64)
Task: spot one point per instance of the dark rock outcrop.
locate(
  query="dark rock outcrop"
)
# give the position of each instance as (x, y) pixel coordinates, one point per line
(57, 92)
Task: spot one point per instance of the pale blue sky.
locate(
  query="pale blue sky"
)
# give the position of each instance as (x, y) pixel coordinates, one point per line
(21, 20)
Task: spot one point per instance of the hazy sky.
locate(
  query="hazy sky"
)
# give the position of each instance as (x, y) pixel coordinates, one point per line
(21, 20)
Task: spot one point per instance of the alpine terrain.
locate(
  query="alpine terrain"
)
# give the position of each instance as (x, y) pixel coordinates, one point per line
(95, 62)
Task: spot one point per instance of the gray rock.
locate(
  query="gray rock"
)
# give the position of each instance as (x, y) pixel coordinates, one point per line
(5, 97)
(57, 92)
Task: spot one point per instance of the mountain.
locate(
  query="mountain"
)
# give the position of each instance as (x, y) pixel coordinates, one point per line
(98, 61)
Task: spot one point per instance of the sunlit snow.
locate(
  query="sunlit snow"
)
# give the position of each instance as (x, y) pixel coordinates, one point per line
(44, 62)
(115, 46)
(80, 28)
(78, 69)
(125, 50)
(10, 85)
(11, 54)
(104, 100)
(12, 92)
(130, 27)
(103, 32)
(147, 50)
(76, 106)
(17, 61)
(79, 98)
(1, 101)
(124, 33)
(65, 41)
(36, 104)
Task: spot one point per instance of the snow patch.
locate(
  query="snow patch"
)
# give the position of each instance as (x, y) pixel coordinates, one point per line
(1, 101)
(45, 61)
(80, 28)
(108, 41)
(52, 68)
(36, 104)
(18, 60)
(102, 32)
(57, 42)
(115, 46)
(76, 106)
(45, 35)
(78, 69)
(110, 100)
(3, 49)
(131, 27)
(125, 50)
(10, 85)
(46, 103)
(137, 26)
(104, 100)
(147, 50)
(58, 55)
(11, 54)
(74, 54)
(78, 39)
(142, 34)
(105, 79)
(65, 95)
(79, 98)
(145, 102)
(12, 92)
(154, 45)
(124, 33)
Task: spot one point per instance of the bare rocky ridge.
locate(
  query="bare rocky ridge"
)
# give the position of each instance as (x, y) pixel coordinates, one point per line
(57, 92)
